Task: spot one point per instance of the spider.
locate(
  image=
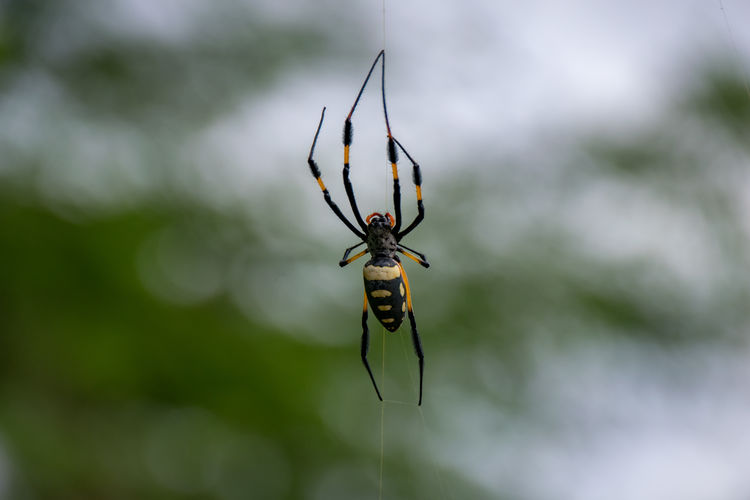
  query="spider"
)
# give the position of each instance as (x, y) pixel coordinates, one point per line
(386, 285)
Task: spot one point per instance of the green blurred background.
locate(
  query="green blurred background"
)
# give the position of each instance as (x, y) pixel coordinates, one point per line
(173, 321)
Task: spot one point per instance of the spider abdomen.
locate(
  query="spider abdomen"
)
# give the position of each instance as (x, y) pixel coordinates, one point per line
(386, 292)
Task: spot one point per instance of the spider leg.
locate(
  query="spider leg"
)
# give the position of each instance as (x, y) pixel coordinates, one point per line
(414, 334)
(417, 177)
(392, 152)
(366, 346)
(393, 159)
(316, 173)
(348, 135)
(346, 259)
(419, 258)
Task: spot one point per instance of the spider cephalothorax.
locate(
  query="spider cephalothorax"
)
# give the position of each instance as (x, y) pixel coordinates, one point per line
(386, 285)
(380, 238)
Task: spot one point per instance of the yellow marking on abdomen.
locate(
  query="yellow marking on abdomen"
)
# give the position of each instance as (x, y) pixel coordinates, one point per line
(384, 273)
(401, 289)
(387, 320)
(395, 170)
(346, 154)
(320, 183)
(385, 308)
(380, 293)
(419, 192)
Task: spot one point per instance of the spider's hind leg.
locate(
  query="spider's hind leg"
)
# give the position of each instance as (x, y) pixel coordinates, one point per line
(366, 347)
(414, 334)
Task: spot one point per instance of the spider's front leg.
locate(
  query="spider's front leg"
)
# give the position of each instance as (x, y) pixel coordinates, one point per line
(348, 136)
(326, 195)
(417, 177)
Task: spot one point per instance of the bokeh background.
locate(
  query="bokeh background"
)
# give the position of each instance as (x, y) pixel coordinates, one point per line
(173, 321)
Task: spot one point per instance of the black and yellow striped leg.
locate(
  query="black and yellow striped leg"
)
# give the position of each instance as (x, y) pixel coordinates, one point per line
(393, 159)
(419, 258)
(316, 173)
(366, 347)
(414, 334)
(392, 153)
(345, 174)
(348, 136)
(417, 177)
(348, 260)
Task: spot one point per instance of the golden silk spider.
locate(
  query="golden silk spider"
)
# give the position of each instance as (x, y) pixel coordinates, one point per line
(386, 285)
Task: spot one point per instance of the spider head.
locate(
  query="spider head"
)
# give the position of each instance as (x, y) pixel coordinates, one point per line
(377, 219)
